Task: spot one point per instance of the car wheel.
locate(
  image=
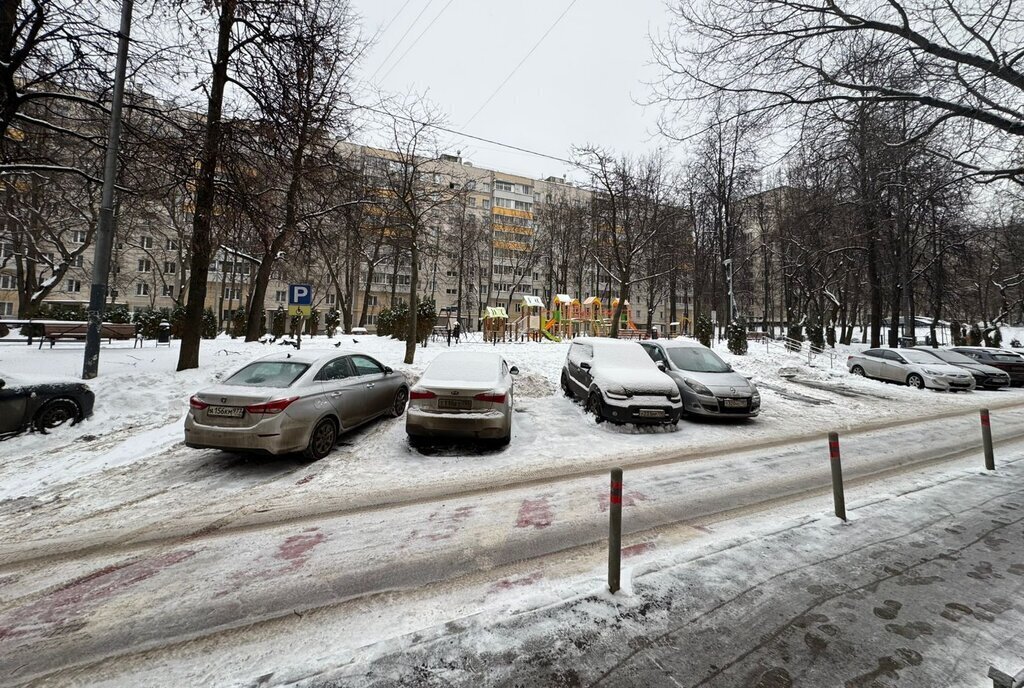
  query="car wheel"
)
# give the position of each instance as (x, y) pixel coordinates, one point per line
(857, 370)
(401, 398)
(54, 414)
(322, 440)
(594, 406)
(566, 389)
(915, 380)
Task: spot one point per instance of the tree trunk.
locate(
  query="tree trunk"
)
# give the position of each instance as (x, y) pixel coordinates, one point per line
(410, 342)
(202, 241)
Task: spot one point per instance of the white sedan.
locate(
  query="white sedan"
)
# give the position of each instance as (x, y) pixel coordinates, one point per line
(463, 394)
(915, 368)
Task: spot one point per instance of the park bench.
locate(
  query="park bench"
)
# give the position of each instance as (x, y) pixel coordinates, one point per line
(52, 332)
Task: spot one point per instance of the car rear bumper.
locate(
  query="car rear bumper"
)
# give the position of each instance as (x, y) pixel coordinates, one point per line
(266, 437)
(484, 425)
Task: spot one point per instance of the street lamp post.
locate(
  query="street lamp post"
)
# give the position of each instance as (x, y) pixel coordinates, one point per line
(732, 301)
(105, 226)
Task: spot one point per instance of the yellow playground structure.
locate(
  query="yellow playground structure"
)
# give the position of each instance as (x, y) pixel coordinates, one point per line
(568, 317)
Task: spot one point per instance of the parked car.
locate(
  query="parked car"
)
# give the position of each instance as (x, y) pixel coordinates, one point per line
(463, 394)
(294, 402)
(985, 376)
(912, 367)
(619, 382)
(1007, 361)
(44, 406)
(709, 386)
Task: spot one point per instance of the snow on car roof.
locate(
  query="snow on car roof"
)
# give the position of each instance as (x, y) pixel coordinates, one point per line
(471, 366)
(312, 356)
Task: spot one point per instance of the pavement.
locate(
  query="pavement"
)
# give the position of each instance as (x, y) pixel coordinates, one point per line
(922, 588)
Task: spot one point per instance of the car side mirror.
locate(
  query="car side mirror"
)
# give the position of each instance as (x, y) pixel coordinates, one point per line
(514, 370)
(388, 370)
(585, 366)
(3, 383)
(661, 366)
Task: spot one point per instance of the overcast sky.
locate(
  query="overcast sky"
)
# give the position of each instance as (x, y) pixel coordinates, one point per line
(581, 85)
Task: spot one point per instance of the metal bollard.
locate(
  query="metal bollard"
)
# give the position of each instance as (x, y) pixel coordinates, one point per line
(615, 530)
(986, 438)
(837, 475)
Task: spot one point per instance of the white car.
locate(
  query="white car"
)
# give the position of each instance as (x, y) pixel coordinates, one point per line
(619, 382)
(908, 366)
(463, 394)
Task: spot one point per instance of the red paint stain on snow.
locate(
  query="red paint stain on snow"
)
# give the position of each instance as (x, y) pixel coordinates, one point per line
(535, 513)
(510, 583)
(639, 548)
(305, 480)
(297, 549)
(441, 525)
(62, 610)
(628, 499)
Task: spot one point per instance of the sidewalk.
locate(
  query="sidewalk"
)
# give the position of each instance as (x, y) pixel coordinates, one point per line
(923, 587)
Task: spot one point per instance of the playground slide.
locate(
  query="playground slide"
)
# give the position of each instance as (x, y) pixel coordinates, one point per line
(548, 324)
(552, 337)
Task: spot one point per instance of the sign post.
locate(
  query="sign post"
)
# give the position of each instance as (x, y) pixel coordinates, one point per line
(300, 303)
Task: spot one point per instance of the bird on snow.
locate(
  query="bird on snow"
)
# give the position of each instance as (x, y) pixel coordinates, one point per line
(338, 345)
(355, 340)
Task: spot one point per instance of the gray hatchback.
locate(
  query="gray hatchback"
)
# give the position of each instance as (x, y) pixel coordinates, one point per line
(709, 386)
(294, 402)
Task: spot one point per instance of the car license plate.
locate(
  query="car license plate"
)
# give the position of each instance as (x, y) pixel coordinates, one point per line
(735, 403)
(455, 404)
(226, 411)
(651, 413)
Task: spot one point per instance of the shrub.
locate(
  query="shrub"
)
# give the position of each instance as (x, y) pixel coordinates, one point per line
(703, 329)
(177, 319)
(974, 337)
(816, 336)
(736, 336)
(993, 337)
(279, 322)
(332, 319)
(209, 324)
(238, 323)
(118, 314)
(314, 322)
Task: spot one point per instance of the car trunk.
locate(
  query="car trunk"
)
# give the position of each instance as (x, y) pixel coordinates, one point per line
(454, 396)
(226, 407)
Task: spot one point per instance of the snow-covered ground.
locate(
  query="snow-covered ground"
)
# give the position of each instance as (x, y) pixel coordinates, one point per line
(118, 500)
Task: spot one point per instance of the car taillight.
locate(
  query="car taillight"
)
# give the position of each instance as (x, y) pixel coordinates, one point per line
(491, 398)
(422, 395)
(197, 403)
(275, 406)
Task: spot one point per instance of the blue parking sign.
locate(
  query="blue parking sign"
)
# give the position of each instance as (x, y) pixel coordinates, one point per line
(300, 295)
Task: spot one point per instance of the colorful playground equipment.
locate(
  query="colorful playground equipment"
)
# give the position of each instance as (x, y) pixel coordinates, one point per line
(494, 324)
(567, 318)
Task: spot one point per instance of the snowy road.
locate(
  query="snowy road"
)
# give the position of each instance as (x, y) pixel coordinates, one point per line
(225, 542)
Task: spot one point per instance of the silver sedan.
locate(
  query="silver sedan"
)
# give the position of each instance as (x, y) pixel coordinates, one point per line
(294, 402)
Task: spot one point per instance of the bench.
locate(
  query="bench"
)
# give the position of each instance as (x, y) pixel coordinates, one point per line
(53, 332)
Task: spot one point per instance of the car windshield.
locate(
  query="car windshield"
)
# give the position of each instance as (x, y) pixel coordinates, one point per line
(697, 360)
(919, 356)
(951, 356)
(268, 374)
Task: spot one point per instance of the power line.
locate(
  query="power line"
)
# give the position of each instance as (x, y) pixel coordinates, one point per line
(516, 68)
(402, 37)
(393, 18)
(416, 40)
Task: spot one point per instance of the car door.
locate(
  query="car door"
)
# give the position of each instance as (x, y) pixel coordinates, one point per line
(342, 390)
(871, 362)
(581, 357)
(12, 408)
(894, 366)
(656, 354)
(376, 391)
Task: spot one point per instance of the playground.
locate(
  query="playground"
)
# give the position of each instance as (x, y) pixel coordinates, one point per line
(566, 318)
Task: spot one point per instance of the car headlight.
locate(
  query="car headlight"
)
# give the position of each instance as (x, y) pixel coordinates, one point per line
(755, 396)
(698, 387)
(931, 371)
(617, 395)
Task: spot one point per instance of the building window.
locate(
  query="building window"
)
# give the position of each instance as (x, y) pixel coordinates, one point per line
(280, 296)
(142, 289)
(172, 245)
(503, 186)
(146, 242)
(371, 319)
(451, 290)
(145, 265)
(371, 301)
(73, 286)
(170, 267)
(487, 204)
(78, 261)
(168, 290)
(232, 293)
(6, 309)
(472, 202)
(78, 236)
(8, 282)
